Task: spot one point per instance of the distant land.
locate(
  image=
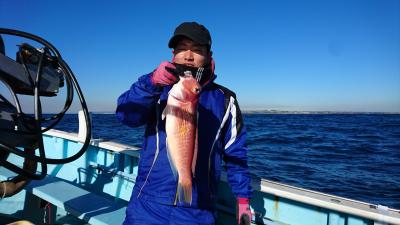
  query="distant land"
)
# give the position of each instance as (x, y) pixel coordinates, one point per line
(273, 111)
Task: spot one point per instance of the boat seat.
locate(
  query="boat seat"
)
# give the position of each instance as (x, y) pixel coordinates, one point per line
(85, 205)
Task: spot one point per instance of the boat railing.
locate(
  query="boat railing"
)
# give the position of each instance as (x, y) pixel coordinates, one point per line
(279, 190)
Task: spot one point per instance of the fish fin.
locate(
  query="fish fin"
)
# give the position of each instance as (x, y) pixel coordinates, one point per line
(194, 160)
(171, 162)
(185, 191)
(164, 113)
(176, 196)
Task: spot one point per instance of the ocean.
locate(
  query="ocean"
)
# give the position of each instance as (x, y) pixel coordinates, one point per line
(355, 156)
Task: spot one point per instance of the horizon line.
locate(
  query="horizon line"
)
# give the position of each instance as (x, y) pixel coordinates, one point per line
(274, 111)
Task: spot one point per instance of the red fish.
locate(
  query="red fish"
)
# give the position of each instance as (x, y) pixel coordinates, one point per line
(181, 129)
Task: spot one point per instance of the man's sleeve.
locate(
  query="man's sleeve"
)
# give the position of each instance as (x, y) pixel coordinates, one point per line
(235, 154)
(135, 105)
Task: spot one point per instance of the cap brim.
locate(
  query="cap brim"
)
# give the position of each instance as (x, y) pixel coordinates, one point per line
(173, 41)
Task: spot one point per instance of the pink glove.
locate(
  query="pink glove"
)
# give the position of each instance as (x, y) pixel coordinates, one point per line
(243, 208)
(165, 74)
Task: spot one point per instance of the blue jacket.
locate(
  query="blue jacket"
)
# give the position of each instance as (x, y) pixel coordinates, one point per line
(221, 136)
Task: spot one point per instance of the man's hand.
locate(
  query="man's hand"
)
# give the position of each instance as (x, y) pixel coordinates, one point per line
(165, 74)
(243, 210)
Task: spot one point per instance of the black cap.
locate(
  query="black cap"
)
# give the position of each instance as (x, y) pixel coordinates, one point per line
(194, 31)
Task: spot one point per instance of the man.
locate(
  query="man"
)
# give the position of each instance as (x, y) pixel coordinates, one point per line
(221, 136)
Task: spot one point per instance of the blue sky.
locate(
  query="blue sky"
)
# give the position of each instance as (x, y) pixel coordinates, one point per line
(284, 55)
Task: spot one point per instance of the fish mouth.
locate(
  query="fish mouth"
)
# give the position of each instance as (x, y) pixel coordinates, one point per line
(177, 99)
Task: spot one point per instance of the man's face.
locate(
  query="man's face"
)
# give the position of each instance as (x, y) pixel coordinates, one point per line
(189, 53)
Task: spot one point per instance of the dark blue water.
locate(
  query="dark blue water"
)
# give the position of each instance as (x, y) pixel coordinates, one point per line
(350, 155)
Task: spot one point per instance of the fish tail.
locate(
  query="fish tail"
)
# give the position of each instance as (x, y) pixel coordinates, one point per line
(185, 190)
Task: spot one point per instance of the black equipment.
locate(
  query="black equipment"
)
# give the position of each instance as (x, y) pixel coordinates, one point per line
(37, 72)
(245, 220)
(20, 74)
